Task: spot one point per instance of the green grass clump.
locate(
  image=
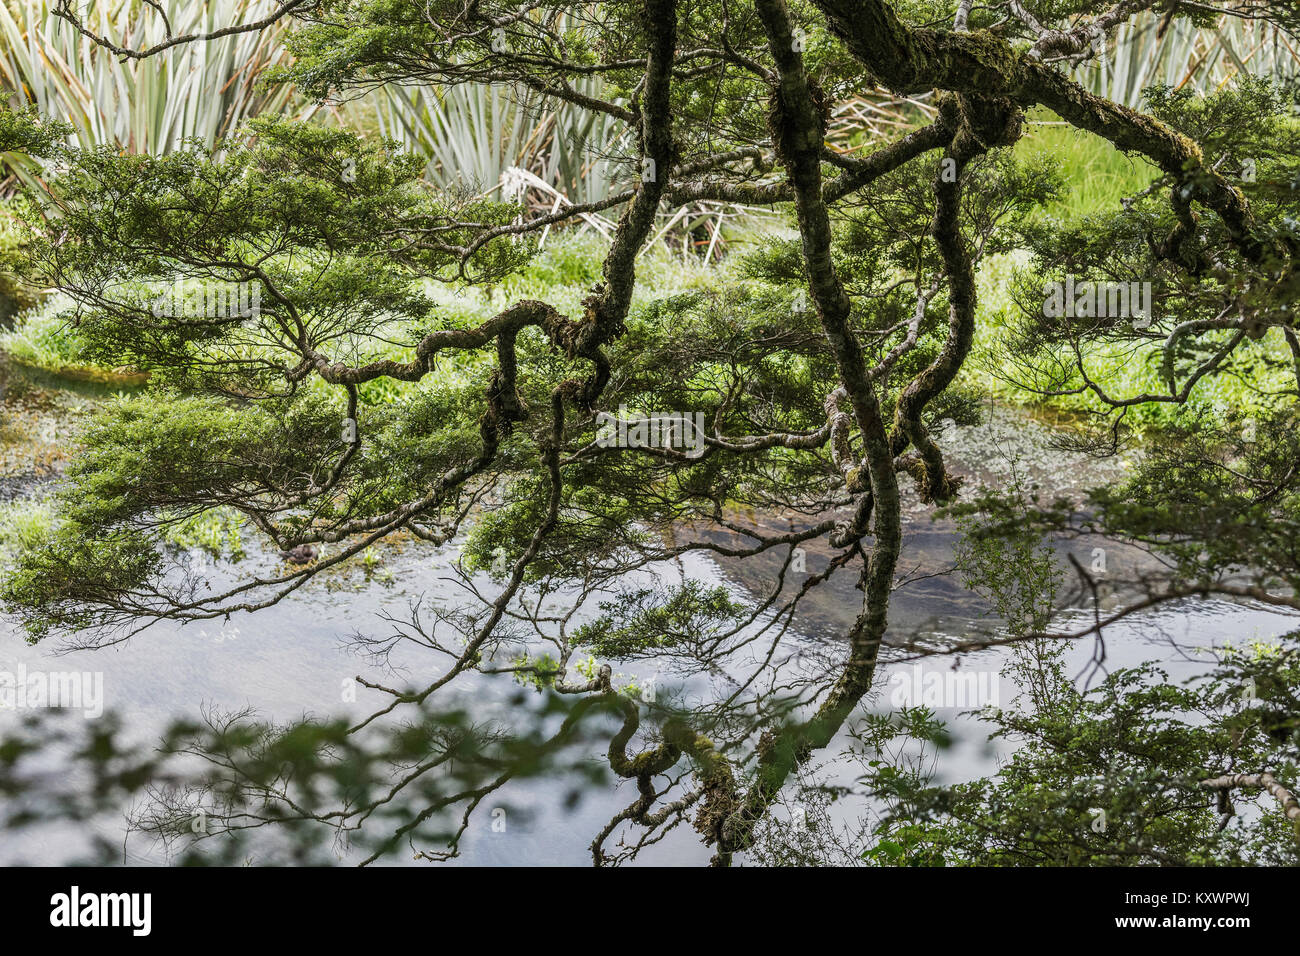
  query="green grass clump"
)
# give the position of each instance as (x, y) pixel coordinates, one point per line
(42, 340)
(1248, 384)
(1098, 176)
(218, 532)
(24, 524)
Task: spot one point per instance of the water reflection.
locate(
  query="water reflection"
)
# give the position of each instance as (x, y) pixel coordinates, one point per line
(294, 660)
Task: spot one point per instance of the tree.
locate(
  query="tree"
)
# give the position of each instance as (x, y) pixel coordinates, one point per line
(820, 382)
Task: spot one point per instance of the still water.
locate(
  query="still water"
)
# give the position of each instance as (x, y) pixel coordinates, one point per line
(293, 659)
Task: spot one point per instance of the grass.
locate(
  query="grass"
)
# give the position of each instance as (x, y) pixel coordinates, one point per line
(1099, 178)
(218, 531)
(42, 340)
(14, 297)
(200, 91)
(1099, 175)
(27, 523)
(24, 524)
(564, 272)
(1122, 369)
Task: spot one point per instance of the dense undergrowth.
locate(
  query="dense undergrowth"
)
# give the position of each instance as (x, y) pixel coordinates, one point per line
(1098, 178)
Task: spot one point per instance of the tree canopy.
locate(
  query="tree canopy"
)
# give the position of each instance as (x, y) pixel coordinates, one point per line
(340, 404)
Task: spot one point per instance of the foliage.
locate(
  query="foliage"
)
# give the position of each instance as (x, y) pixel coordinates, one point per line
(201, 91)
(1111, 775)
(353, 404)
